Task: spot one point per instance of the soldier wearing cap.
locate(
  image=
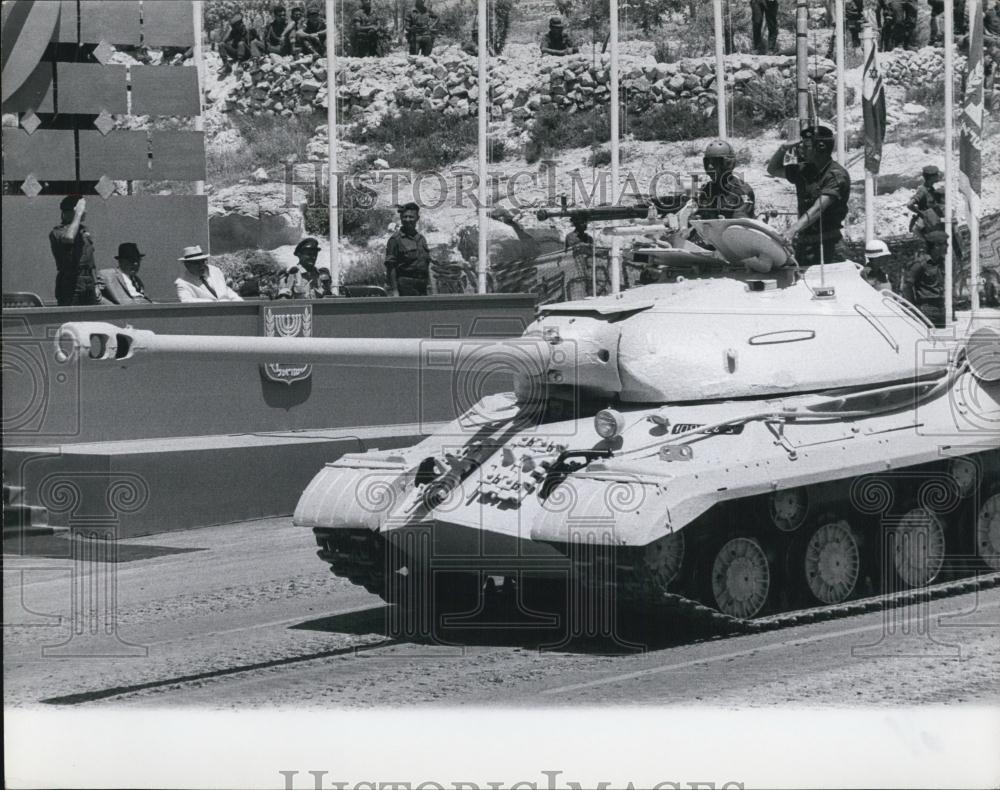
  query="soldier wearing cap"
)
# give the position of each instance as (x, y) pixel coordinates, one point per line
(305, 280)
(122, 285)
(73, 249)
(923, 284)
(725, 195)
(822, 189)
(407, 256)
(555, 41)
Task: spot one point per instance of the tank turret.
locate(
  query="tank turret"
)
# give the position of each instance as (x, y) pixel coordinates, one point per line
(748, 435)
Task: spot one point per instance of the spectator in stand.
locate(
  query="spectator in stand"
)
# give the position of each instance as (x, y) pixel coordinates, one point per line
(202, 282)
(407, 256)
(366, 32)
(236, 47)
(276, 33)
(555, 41)
(305, 280)
(764, 11)
(122, 285)
(73, 249)
(420, 27)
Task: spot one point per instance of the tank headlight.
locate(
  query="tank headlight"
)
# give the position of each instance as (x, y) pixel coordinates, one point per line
(609, 423)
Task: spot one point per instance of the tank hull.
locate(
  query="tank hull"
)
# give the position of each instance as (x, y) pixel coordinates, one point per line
(829, 497)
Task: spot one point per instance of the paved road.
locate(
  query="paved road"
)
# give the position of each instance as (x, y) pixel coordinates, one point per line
(245, 615)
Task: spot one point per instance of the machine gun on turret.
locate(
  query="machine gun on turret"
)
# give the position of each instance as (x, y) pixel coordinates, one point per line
(648, 207)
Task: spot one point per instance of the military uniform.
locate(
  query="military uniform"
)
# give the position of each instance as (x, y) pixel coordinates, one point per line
(733, 198)
(825, 233)
(558, 40)
(365, 34)
(420, 31)
(854, 20)
(762, 11)
(76, 274)
(923, 285)
(409, 257)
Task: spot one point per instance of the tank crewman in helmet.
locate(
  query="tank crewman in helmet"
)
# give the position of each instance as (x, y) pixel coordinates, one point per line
(923, 284)
(923, 198)
(555, 41)
(725, 195)
(876, 251)
(822, 189)
(407, 256)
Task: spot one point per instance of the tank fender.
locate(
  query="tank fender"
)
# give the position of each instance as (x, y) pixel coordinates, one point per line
(356, 491)
(617, 509)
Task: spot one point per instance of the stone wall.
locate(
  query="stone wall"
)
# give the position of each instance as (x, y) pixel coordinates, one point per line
(521, 83)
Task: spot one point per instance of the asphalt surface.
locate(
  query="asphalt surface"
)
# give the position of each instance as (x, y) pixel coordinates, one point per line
(245, 616)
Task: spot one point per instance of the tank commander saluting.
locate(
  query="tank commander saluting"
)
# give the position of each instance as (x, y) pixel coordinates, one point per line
(407, 256)
(122, 285)
(202, 282)
(822, 188)
(73, 249)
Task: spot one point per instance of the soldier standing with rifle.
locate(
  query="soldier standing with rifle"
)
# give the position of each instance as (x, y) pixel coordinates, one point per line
(420, 26)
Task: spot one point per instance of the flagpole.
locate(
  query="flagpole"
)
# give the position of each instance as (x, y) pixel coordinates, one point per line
(199, 119)
(482, 265)
(616, 258)
(970, 156)
(841, 86)
(868, 50)
(720, 70)
(331, 138)
(949, 122)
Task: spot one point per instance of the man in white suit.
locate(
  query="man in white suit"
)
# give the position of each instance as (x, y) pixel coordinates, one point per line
(202, 282)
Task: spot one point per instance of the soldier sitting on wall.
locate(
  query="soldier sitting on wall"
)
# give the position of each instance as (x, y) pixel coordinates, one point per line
(556, 41)
(310, 34)
(236, 47)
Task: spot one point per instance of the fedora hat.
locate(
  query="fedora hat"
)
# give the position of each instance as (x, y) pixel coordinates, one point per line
(193, 254)
(130, 251)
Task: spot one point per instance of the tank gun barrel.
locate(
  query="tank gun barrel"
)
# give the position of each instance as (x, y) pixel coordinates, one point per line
(105, 342)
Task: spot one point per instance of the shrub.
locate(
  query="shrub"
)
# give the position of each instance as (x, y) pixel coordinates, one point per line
(360, 220)
(554, 129)
(422, 140)
(368, 269)
(599, 157)
(672, 123)
(268, 142)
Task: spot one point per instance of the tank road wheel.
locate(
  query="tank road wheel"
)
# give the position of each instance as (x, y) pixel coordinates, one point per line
(917, 545)
(988, 532)
(663, 559)
(741, 578)
(788, 508)
(832, 562)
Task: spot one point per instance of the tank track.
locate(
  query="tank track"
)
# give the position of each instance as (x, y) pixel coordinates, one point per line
(698, 614)
(369, 573)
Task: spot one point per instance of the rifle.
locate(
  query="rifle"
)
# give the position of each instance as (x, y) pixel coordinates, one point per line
(649, 208)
